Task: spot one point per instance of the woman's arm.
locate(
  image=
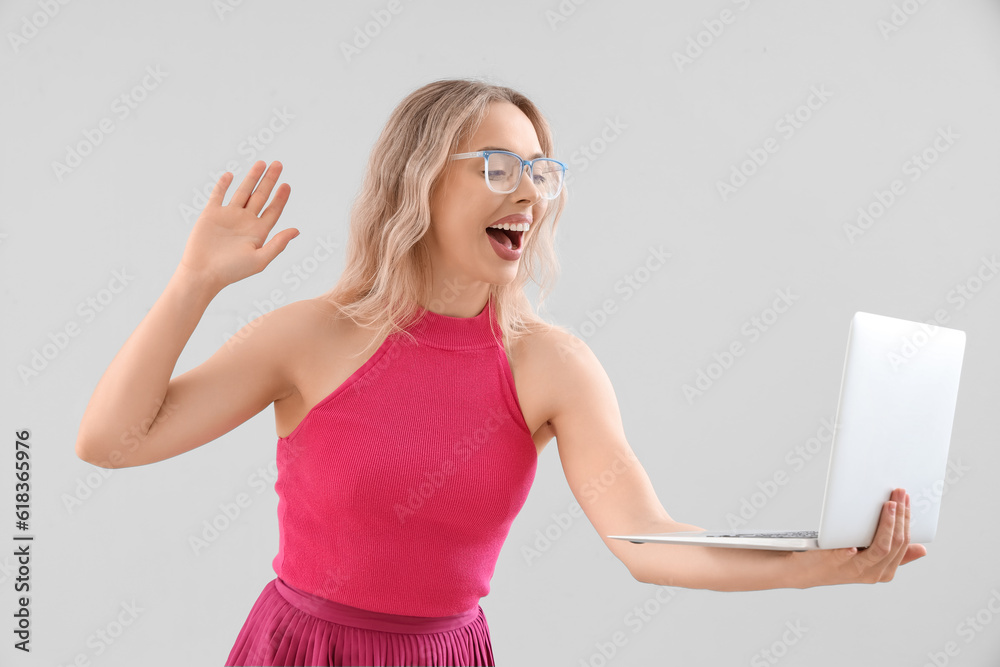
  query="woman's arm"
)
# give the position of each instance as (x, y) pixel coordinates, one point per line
(759, 569)
(713, 568)
(133, 397)
(618, 498)
(129, 395)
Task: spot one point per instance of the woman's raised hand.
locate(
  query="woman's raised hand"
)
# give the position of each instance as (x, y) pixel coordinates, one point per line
(227, 242)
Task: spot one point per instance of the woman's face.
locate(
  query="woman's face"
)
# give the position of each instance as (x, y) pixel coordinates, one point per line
(463, 206)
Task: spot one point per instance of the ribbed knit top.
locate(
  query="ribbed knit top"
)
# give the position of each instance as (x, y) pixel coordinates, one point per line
(396, 491)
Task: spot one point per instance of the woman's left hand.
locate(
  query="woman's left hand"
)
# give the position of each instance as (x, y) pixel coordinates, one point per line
(876, 563)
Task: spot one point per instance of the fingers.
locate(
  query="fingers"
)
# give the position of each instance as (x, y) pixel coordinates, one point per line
(904, 533)
(906, 526)
(882, 546)
(263, 191)
(274, 247)
(891, 546)
(219, 191)
(912, 553)
(900, 536)
(869, 559)
(242, 193)
(273, 212)
(242, 197)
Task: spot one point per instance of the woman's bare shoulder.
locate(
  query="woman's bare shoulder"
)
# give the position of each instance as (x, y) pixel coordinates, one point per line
(565, 360)
(545, 352)
(553, 341)
(314, 315)
(299, 325)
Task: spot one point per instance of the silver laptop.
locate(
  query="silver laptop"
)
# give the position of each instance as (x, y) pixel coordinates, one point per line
(893, 430)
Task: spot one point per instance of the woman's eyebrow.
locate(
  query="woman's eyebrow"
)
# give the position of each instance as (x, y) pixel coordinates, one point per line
(497, 148)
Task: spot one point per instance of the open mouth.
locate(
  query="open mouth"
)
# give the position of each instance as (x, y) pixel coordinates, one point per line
(506, 237)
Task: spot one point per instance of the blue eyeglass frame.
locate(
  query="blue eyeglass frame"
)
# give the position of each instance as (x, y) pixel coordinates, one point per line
(486, 176)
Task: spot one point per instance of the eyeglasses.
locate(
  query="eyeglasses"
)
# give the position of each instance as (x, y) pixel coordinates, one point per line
(502, 171)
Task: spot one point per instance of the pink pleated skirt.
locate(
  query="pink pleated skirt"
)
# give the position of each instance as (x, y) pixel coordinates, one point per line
(287, 626)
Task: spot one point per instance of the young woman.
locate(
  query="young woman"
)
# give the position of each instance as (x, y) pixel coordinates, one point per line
(413, 399)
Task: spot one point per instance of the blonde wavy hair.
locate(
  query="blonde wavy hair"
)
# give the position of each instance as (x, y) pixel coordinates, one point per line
(387, 267)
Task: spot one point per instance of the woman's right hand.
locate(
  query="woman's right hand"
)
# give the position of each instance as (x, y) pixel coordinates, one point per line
(227, 242)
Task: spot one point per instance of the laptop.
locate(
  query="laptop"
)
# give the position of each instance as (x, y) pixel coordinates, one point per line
(893, 430)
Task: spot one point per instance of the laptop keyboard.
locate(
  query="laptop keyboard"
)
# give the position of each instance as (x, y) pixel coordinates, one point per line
(788, 533)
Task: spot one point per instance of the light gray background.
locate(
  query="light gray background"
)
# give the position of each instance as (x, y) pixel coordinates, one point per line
(653, 183)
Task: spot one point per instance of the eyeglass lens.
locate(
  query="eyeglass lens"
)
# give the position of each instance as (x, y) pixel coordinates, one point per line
(503, 171)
